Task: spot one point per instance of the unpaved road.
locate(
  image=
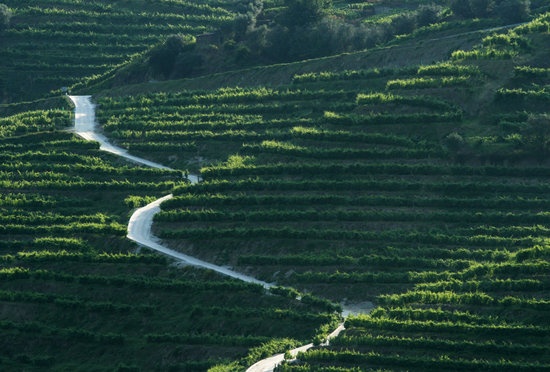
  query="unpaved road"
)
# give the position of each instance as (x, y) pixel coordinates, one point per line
(85, 126)
(269, 364)
(139, 226)
(139, 230)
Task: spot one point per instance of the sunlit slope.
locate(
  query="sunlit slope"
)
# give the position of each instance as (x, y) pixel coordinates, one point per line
(422, 188)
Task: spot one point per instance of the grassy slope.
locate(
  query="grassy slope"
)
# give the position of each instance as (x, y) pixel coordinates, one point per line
(424, 49)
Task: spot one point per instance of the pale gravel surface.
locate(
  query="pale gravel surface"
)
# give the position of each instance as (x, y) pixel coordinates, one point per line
(139, 226)
(85, 127)
(139, 230)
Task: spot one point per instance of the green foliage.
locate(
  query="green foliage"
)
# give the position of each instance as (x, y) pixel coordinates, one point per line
(272, 347)
(61, 43)
(537, 134)
(422, 101)
(303, 29)
(230, 367)
(403, 24)
(285, 292)
(428, 14)
(514, 10)
(488, 53)
(454, 142)
(346, 75)
(461, 8)
(303, 12)
(163, 58)
(63, 214)
(33, 121)
(533, 253)
(539, 24)
(531, 72)
(5, 17)
(136, 201)
(510, 40)
(505, 45)
(416, 83)
(294, 190)
(481, 8)
(508, 10)
(424, 363)
(448, 69)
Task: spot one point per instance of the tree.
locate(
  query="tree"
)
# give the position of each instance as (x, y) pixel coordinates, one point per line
(255, 8)
(163, 57)
(454, 142)
(277, 44)
(481, 8)
(461, 8)
(186, 63)
(304, 12)
(514, 10)
(403, 24)
(427, 15)
(5, 16)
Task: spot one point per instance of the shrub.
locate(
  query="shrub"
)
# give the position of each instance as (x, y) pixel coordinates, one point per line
(537, 135)
(454, 142)
(404, 24)
(427, 15)
(276, 345)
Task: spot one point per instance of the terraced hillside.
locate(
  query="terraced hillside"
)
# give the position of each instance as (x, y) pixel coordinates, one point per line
(52, 44)
(58, 43)
(422, 189)
(412, 174)
(76, 295)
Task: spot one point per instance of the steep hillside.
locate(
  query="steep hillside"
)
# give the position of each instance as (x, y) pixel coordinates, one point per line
(76, 295)
(60, 42)
(421, 188)
(389, 151)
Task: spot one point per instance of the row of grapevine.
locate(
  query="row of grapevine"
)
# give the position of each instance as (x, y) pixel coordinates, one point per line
(72, 284)
(59, 42)
(374, 193)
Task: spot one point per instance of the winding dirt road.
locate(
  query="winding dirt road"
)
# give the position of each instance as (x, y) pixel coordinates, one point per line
(139, 226)
(85, 126)
(269, 364)
(139, 230)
